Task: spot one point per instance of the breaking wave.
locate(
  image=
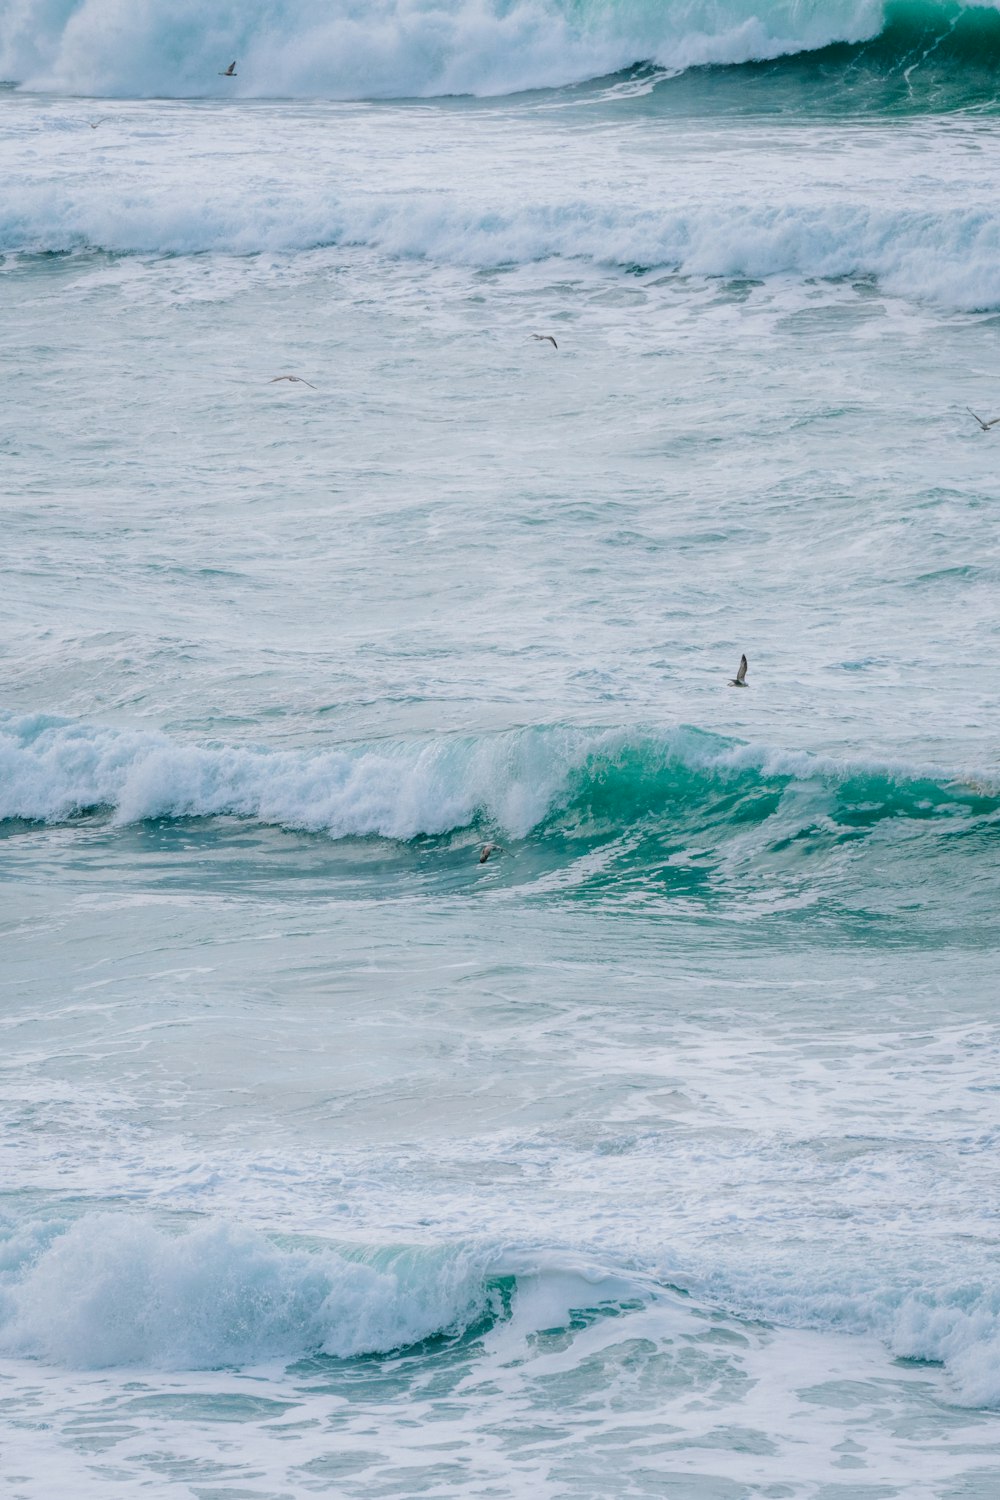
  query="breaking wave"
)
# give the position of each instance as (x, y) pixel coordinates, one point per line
(353, 48)
(113, 1290)
(117, 1290)
(411, 48)
(626, 813)
(52, 769)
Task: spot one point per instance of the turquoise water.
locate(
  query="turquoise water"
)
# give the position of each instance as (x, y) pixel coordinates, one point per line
(655, 1155)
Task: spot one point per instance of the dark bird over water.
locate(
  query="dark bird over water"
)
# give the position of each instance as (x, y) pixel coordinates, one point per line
(488, 849)
(984, 425)
(545, 338)
(230, 71)
(740, 680)
(295, 379)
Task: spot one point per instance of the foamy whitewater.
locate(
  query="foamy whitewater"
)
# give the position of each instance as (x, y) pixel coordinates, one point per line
(655, 1156)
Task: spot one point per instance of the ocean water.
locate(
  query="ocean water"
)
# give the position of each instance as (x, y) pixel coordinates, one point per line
(656, 1156)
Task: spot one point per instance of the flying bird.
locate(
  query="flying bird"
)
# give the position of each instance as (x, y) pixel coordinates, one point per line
(295, 379)
(230, 71)
(984, 425)
(94, 123)
(740, 680)
(488, 849)
(545, 338)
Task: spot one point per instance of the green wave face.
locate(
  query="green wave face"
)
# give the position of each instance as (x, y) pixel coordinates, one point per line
(862, 851)
(928, 58)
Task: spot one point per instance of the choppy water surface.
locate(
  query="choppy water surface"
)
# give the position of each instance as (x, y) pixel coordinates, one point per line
(657, 1155)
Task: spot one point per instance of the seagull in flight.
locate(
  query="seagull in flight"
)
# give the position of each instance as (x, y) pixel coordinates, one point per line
(740, 680)
(545, 338)
(984, 425)
(295, 379)
(230, 71)
(488, 849)
(94, 123)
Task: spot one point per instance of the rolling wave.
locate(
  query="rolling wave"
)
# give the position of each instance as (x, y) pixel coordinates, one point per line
(681, 813)
(425, 48)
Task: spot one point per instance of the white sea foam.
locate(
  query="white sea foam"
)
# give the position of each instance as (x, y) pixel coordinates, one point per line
(355, 49)
(963, 1333)
(950, 1323)
(948, 255)
(53, 769)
